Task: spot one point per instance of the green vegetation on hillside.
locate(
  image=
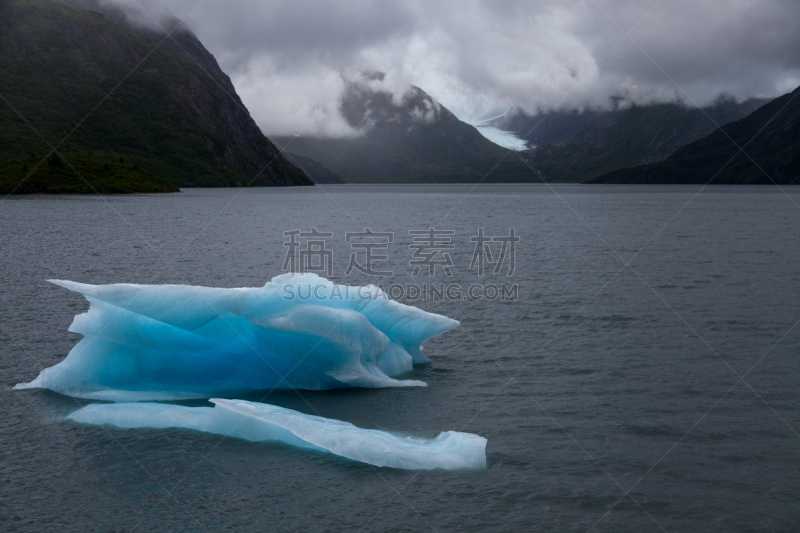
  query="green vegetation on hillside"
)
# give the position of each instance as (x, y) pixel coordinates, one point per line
(170, 118)
(770, 136)
(77, 176)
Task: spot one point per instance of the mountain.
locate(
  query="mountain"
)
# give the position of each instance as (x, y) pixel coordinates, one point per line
(545, 127)
(176, 116)
(636, 135)
(770, 135)
(182, 42)
(78, 176)
(406, 137)
(317, 172)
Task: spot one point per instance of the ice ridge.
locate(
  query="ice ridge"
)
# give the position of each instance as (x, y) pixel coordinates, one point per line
(162, 342)
(264, 422)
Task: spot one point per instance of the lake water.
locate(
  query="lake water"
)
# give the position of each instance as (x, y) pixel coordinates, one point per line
(664, 395)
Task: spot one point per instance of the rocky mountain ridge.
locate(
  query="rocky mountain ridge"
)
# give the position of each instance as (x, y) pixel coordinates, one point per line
(762, 148)
(176, 116)
(406, 137)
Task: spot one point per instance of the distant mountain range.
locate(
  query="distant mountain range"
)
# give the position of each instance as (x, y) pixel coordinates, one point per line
(176, 117)
(416, 139)
(770, 136)
(610, 140)
(407, 138)
(545, 127)
(314, 170)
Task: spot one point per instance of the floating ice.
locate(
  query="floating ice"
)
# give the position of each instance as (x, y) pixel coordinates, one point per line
(263, 422)
(159, 342)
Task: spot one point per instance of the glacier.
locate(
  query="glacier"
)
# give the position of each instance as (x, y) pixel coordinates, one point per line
(263, 422)
(166, 342)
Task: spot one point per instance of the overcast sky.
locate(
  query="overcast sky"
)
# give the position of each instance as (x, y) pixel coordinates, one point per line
(288, 58)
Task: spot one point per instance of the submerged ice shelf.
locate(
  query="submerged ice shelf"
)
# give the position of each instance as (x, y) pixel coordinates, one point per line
(161, 342)
(264, 422)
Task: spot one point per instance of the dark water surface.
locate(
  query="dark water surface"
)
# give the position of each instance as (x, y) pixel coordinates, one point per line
(662, 396)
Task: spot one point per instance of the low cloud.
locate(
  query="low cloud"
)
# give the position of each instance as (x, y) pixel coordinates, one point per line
(291, 61)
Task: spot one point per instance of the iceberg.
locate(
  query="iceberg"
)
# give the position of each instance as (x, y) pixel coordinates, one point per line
(264, 422)
(165, 342)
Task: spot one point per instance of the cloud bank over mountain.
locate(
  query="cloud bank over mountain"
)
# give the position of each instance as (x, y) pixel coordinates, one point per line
(290, 61)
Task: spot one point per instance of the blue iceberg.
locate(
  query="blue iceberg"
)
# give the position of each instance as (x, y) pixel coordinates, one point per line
(162, 342)
(263, 422)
